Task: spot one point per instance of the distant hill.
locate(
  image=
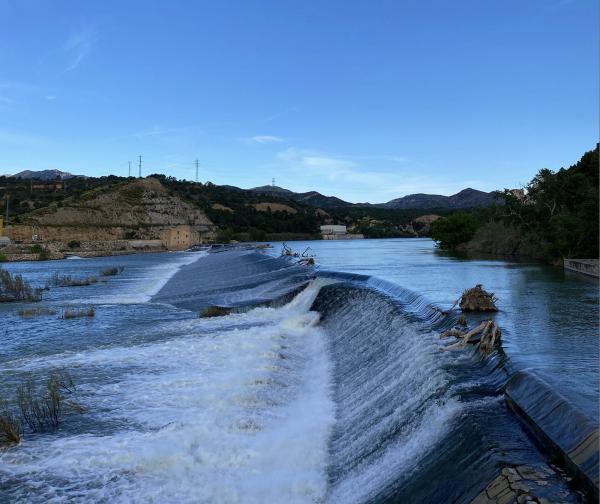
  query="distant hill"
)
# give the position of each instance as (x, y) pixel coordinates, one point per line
(44, 175)
(312, 198)
(467, 198)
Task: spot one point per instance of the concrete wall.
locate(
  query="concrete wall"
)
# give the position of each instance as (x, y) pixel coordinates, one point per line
(585, 266)
(563, 430)
(331, 228)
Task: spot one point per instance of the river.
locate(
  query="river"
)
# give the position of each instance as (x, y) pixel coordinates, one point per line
(338, 391)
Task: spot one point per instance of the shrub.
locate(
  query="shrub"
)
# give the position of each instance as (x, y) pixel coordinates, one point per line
(112, 271)
(3, 258)
(42, 408)
(43, 255)
(16, 288)
(71, 312)
(10, 426)
(36, 248)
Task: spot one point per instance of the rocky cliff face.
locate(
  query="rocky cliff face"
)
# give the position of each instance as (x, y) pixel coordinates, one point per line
(142, 209)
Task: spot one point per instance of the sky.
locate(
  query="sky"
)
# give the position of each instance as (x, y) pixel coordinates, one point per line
(364, 100)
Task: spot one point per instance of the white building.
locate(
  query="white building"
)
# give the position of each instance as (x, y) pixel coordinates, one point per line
(337, 232)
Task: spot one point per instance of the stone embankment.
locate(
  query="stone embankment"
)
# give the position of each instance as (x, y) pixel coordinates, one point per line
(567, 436)
(566, 433)
(527, 485)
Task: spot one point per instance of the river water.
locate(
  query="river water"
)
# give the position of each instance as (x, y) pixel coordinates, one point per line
(336, 391)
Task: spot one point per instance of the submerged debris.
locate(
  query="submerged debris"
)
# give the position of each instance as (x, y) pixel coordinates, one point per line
(214, 311)
(476, 299)
(486, 334)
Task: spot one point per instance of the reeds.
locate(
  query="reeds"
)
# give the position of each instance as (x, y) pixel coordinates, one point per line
(36, 312)
(58, 280)
(16, 288)
(112, 271)
(71, 312)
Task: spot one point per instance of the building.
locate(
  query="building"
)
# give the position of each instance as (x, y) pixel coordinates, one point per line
(338, 232)
(181, 237)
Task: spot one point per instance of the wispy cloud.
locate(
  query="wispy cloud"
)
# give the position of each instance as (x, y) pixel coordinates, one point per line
(157, 131)
(77, 47)
(263, 139)
(354, 179)
(50, 97)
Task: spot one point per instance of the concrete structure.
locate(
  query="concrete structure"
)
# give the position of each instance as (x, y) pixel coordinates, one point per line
(585, 266)
(181, 237)
(337, 232)
(564, 431)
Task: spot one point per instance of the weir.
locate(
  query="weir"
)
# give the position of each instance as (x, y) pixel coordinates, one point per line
(406, 413)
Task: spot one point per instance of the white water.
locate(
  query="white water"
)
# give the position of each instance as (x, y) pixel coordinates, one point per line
(236, 410)
(147, 282)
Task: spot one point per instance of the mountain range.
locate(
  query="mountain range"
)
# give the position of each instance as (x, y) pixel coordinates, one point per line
(467, 198)
(43, 175)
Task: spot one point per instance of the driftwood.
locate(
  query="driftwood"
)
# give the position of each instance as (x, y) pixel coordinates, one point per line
(476, 299)
(490, 334)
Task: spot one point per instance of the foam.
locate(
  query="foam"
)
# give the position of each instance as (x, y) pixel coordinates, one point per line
(238, 415)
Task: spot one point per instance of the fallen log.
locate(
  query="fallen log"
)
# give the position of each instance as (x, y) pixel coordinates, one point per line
(489, 334)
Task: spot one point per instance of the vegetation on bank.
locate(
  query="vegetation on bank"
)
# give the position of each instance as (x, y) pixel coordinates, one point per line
(555, 216)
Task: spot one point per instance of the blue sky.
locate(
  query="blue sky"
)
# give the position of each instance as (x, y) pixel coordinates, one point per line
(365, 100)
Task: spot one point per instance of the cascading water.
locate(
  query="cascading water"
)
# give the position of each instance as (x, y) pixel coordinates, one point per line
(328, 389)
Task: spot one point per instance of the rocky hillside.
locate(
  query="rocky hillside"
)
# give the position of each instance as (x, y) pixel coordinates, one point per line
(140, 209)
